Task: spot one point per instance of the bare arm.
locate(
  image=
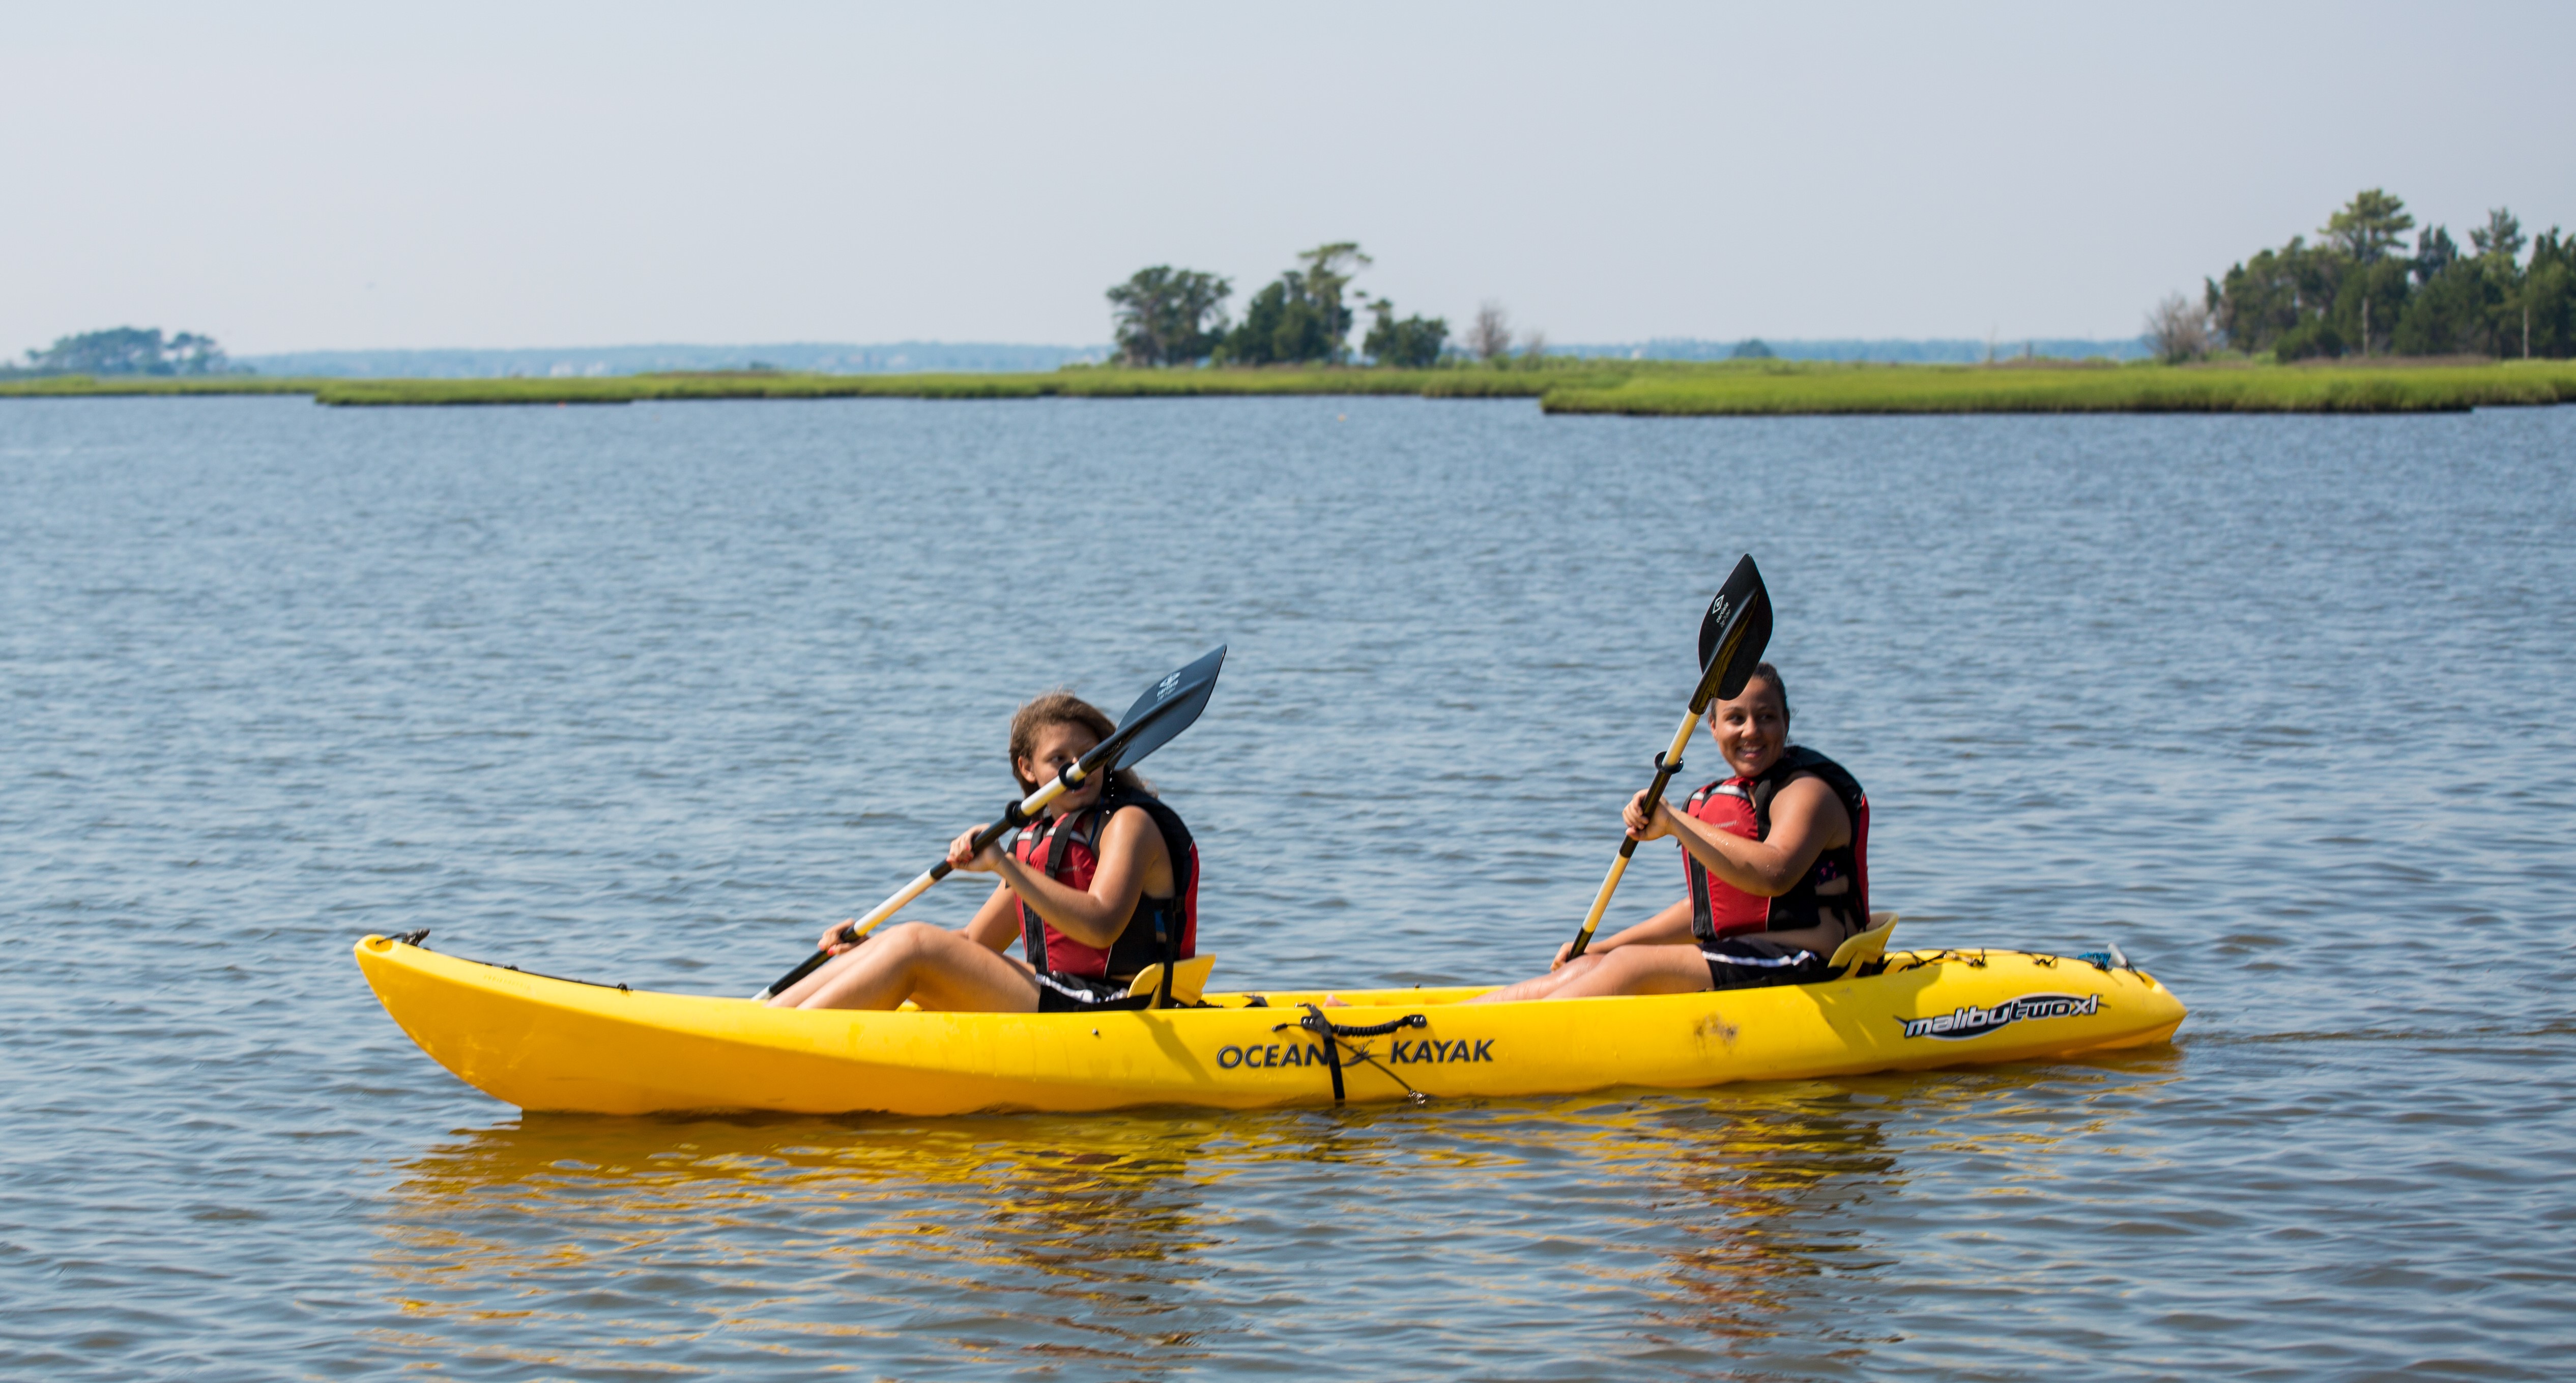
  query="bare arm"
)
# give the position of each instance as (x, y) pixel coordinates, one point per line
(1132, 861)
(1806, 820)
(996, 924)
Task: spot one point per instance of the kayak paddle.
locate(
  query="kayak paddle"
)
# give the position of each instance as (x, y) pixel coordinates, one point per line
(1166, 709)
(1732, 636)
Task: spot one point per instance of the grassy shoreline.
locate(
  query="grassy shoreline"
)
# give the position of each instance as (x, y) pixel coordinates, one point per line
(1632, 388)
(2356, 388)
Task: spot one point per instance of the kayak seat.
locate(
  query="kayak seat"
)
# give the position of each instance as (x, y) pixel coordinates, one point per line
(1189, 979)
(1863, 948)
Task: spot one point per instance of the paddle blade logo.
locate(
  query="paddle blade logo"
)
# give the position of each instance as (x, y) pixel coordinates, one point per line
(1977, 1022)
(1164, 692)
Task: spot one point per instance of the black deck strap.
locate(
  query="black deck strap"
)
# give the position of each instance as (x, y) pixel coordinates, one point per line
(1333, 1033)
(1170, 946)
(414, 938)
(1316, 1023)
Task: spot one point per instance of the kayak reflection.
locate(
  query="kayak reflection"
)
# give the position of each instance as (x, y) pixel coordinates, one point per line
(993, 1234)
(1788, 1208)
(1156, 1242)
(1760, 1192)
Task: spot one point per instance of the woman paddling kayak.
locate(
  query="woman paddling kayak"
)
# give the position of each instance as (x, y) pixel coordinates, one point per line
(1776, 860)
(1103, 885)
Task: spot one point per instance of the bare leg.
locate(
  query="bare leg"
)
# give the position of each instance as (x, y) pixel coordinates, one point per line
(1641, 969)
(795, 995)
(933, 967)
(1545, 986)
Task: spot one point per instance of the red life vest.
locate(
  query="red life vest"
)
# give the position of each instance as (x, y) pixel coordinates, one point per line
(1836, 886)
(1066, 849)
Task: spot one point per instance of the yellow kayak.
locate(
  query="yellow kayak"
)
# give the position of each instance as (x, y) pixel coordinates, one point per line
(562, 1045)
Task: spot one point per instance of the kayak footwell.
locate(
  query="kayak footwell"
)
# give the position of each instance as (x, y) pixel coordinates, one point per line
(547, 1044)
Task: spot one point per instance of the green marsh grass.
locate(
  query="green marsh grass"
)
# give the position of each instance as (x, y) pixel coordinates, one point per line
(1081, 383)
(126, 386)
(1564, 385)
(1800, 388)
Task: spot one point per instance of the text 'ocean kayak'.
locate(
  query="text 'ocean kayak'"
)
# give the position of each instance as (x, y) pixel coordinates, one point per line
(561, 1045)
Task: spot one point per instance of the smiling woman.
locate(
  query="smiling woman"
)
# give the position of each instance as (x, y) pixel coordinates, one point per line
(1776, 861)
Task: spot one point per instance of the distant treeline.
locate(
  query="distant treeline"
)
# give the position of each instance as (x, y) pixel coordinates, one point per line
(126, 351)
(1167, 316)
(2359, 290)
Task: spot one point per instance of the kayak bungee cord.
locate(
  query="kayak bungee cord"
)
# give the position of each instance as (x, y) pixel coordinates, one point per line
(1333, 1033)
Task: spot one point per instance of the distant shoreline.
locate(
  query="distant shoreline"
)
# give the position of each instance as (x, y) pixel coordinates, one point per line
(1567, 386)
(986, 357)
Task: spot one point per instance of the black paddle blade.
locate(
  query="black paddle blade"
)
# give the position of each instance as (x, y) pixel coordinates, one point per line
(1165, 710)
(1732, 635)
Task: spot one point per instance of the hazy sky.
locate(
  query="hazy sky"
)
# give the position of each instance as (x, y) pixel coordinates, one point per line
(299, 177)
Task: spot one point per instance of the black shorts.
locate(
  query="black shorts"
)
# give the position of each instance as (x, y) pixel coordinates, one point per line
(1747, 962)
(1083, 994)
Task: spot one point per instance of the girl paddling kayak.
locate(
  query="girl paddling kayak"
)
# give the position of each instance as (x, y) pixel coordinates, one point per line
(1775, 856)
(1101, 886)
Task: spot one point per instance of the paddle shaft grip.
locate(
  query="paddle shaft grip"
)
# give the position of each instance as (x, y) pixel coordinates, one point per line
(857, 930)
(1666, 765)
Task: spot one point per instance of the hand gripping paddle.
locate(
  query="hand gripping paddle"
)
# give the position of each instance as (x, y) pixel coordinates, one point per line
(1732, 636)
(1165, 710)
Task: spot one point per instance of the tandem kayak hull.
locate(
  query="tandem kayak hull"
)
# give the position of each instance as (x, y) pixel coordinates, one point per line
(562, 1046)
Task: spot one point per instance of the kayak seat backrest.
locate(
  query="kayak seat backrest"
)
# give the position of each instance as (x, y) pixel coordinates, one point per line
(1189, 979)
(1860, 948)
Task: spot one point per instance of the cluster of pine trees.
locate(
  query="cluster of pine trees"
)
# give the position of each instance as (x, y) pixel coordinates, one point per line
(1168, 316)
(2359, 291)
(127, 351)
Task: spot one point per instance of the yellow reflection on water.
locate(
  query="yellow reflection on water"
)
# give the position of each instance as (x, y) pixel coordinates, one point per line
(1168, 1239)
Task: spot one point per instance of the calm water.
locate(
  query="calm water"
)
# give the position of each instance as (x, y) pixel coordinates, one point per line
(646, 694)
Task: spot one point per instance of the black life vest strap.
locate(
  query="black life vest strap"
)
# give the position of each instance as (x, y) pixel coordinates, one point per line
(1032, 934)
